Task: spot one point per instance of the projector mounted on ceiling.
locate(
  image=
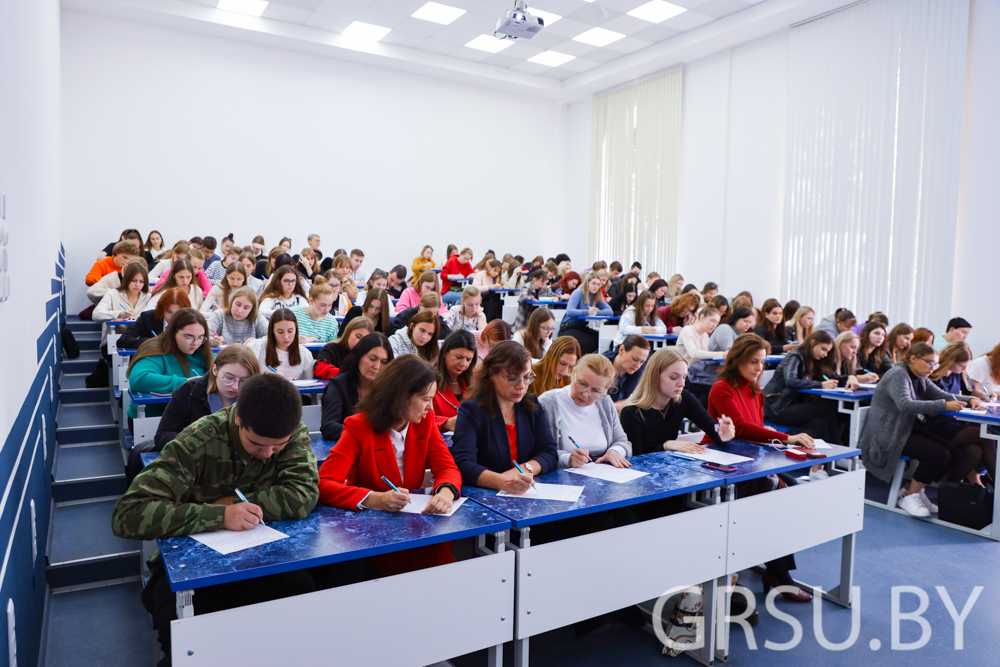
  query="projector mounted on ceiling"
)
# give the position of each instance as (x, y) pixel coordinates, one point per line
(518, 22)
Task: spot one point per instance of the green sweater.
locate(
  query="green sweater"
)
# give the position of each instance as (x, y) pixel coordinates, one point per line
(161, 373)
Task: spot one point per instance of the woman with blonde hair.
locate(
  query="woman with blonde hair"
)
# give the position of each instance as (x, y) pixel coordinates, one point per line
(653, 414)
(180, 250)
(316, 324)
(239, 322)
(674, 286)
(308, 264)
(556, 366)
(845, 358)
(423, 262)
(586, 301)
(218, 297)
(801, 325)
(583, 419)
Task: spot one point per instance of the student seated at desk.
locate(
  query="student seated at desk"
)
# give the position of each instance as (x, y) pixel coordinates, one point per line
(554, 369)
(534, 288)
(420, 337)
(122, 253)
(456, 364)
(639, 318)
(218, 297)
(897, 426)
(629, 358)
(457, 266)
(341, 304)
(199, 279)
(352, 384)
(426, 283)
(259, 446)
(841, 320)
(238, 323)
(178, 251)
(582, 417)
(180, 276)
(680, 312)
(586, 301)
(495, 332)
(488, 281)
(280, 351)
(283, 291)
(877, 316)
(467, 315)
(692, 343)
(950, 376)
(217, 271)
(958, 330)
(740, 321)
(126, 235)
(898, 342)
(342, 264)
(423, 262)
(394, 437)
(316, 324)
(845, 358)
(566, 285)
(923, 335)
(536, 337)
(873, 345)
(772, 329)
(736, 395)
(112, 282)
(162, 364)
(659, 288)
(380, 280)
(375, 308)
(126, 302)
(307, 264)
(151, 323)
(331, 358)
(253, 282)
(502, 424)
(265, 265)
(396, 281)
(513, 277)
(625, 297)
(984, 371)
(653, 414)
(801, 325)
(721, 304)
(429, 302)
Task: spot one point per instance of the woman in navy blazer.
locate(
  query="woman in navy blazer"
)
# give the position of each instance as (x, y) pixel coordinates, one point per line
(501, 424)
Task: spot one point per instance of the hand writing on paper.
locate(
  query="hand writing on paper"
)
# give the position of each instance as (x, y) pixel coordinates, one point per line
(953, 406)
(579, 457)
(388, 501)
(242, 516)
(852, 383)
(830, 384)
(515, 482)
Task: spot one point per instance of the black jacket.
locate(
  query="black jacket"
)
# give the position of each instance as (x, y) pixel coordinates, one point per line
(404, 316)
(146, 327)
(777, 343)
(188, 403)
(783, 388)
(355, 311)
(480, 443)
(339, 400)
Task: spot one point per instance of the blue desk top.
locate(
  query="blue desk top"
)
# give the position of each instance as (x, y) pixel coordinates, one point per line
(858, 395)
(991, 416)
(130, 352)
(666, 479)
(320, 447)
(660, 336)
(766, 461)
(116, 323)
(144, 398)
(327, 535)
(601, 318)
(773, 358)
(548, 304)
(148, 457)
(313, 347)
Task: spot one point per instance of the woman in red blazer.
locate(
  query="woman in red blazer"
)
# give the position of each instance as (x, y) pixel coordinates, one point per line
(455, 366)
(393, 435)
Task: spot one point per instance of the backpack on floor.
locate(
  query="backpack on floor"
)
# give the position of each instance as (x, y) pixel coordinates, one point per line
(100, 377)
(968, 505)
(69, 344)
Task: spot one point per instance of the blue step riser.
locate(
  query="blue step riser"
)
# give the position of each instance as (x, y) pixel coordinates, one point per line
(97, 434)
(79, 366)
(86, 573)
(98, 488)
(89, 344)
(89, 396)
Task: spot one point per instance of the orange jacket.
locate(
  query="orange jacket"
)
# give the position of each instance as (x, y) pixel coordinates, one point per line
(101, 269)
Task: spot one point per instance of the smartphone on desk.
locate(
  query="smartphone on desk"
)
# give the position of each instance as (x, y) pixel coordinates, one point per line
(718, 466)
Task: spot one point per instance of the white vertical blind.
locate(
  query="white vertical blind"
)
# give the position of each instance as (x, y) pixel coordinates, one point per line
(875, 106)
(635, 172)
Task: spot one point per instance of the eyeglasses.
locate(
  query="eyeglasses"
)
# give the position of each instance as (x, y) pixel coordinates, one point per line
(231, 380)
(596, 393)
(547, 329)
(193, 340)
(292, 281)
(931, 364)
(513, 382)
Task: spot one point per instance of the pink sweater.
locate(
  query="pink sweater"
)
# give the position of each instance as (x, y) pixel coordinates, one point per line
(203, 280)
(409, 299)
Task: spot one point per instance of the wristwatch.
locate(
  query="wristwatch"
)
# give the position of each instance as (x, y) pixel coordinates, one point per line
(527, 466)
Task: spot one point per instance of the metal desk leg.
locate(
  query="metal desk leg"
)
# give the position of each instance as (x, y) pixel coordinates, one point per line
(185, 604)
(521, 645)
(993, 530)
(854, 409)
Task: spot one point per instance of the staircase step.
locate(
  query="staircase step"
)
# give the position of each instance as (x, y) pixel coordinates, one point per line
(79, 326)
(88, 471)
(83, 395)
(72, 381)
(85, 363)
(105, 626)
(88, 340)
(85, 422)
(83, 548)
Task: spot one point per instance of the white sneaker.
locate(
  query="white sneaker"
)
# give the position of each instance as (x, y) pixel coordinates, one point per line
(913, 506)
(816, 475)
(931, 507)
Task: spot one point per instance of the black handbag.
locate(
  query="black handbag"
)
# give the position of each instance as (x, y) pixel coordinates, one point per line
(968, 505)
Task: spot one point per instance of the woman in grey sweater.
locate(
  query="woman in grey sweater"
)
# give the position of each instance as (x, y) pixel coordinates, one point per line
(740, 322)
(583, 418)
(238, 322)
(896, 427)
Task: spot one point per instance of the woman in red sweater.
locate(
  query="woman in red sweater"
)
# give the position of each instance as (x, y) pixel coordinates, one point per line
(738, 396)
(456, 364)
(457, 266)
(393, 436)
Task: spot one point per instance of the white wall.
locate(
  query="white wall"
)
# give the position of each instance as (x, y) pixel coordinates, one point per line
(192, 134)
(978, 233)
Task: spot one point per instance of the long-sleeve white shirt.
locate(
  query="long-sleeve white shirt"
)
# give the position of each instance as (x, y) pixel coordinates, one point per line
(694, 346)
(111, 304)
(628, 327)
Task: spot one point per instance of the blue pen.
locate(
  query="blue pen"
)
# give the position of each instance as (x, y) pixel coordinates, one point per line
(579, 447)
(394, 487)
(521, 470)
(244, 499)
(271, 368)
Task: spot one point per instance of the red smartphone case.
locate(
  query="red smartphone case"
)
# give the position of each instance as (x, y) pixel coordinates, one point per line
(795, 454)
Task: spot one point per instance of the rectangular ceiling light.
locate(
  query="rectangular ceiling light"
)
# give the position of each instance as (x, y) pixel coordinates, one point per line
(364, 30)
(251, 7)
(551, 58)
(490, 44)
(657, 11)
(438, 13)
(548, 17)
(598, 37)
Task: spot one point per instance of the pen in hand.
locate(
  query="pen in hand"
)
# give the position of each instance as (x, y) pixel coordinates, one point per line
(394, 487)
(579, 447)
(521, 470)
(244, 499)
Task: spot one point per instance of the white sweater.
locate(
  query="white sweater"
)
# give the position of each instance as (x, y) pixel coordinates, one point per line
(627, 326)
(212, 300)
(195, 296)
(96, 292)
(271, 304)
(111, 303)
(519, 338)
(303, 371)
(694, 346)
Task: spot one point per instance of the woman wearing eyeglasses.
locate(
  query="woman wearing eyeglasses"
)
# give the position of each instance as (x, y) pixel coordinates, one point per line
(283, 291)
(897, 426)
(537, 336)
(583, 418)
(502, 424)
(162, 364)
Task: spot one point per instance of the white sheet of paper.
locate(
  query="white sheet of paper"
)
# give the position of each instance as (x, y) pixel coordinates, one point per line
(970, 411)
(844, 389)
(991, 404)
(722, 458)
(564, 492)
(866, 385)
(306, 383)
(821, 444)
(418, 502)
(230, 541)
(607, 473)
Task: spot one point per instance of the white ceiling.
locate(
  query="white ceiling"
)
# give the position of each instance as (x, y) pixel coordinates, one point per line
(439, 50)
